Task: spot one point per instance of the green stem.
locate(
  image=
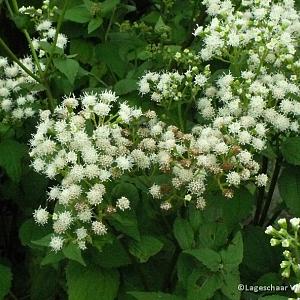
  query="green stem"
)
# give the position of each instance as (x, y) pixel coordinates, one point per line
(260, 193)
(37, 62)
(15, 6)
(58, 26)
(9, 8)
(17, 61)
(179, 108)
(271, 191)
(109, 25)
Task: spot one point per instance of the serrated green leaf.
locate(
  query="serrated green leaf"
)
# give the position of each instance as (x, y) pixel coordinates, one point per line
(11, 155)
(78, 14)
(125, 86)
(184, 233)
(72, 252)
(30, 231)
(52, 258)
(290, 149)
(94, 24)
(126, 222)
(145, 248)
(68, 67)
(210, 258)
(233, 255)
(111, 255)
(289, 188)
(91, 282)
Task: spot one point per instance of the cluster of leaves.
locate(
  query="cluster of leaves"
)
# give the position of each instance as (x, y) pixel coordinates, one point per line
(147, 254)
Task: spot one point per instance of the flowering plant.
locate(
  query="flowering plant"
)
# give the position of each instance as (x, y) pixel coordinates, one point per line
(146, 145)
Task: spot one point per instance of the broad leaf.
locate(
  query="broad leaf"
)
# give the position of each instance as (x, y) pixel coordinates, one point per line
(289, 188)
(78, 14)
(11, 154)
(210, 258)
(184, 233)
(69, 67)
(145, 248)
(233, 255)
(291, 150)
(126, 222)
(72, 252)
(91, 282)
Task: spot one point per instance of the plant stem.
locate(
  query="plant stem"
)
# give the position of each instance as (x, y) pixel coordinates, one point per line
(260, 193)
(58, 26)
(271, 191)
(17, 61)
(109, 25)
(179, 108)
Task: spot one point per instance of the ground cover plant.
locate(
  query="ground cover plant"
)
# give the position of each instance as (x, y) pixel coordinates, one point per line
(149, 149)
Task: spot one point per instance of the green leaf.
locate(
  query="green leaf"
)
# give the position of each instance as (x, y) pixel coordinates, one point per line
(94, 24)
(21, 21)
(44, 241)
(91, 282)
(233, 255)
(230, 283)
(195, 217)
(206, 289)
(126, 222)
(125, 86)
(52, 258)
(43, 282)
(153, 296)
(238, 208)
(160, 25)
(11, 154)
(183, 233)
(72, 251)
(30, 231)
(259, 256)
(289, 188)
(112, 255)
(78, 14)
(108, 5)
(109, 54)
(5, 280)
(291, 150)
(145, 248)
(210, 258)
(68, 67)
(83, 50)
(212, 235)
(127, 190)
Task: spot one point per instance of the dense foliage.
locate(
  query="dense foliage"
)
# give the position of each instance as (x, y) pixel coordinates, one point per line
(148, 148)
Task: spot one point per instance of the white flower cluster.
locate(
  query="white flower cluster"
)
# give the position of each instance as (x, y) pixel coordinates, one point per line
(252, 108)
(87, 142)
(287, 236)
(263, 30)
(87, 150)
(17, 100)
(44, 27)
(167, 87)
